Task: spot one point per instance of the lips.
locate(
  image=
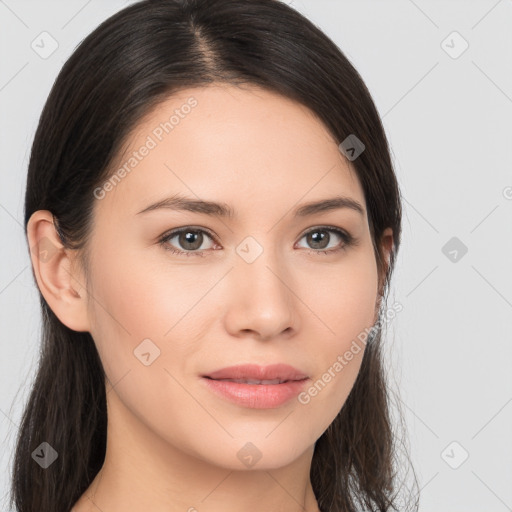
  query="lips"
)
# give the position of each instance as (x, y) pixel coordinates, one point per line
(256, 387)
(255, 374)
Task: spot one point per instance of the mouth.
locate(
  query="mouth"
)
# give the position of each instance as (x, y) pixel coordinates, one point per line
(258, 382)
(255, 374)
(256, 386)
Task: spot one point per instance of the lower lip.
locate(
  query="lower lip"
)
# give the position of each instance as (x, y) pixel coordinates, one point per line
(256, 396)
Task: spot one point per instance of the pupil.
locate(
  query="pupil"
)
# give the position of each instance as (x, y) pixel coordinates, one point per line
(192, 238)
(317, 239)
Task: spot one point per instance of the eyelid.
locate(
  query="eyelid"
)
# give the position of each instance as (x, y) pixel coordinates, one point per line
(326, 228)
(190, 227)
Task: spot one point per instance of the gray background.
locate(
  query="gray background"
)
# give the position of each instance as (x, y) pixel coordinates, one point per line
(449, 120)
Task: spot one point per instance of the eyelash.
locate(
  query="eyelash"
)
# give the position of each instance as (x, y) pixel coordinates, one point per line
(348, 240)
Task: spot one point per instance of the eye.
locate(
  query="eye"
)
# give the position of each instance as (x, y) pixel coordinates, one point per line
(189, 238)
(320, 237)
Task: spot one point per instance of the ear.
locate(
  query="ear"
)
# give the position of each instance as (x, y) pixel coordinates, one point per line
(385, 245)
(60, 283)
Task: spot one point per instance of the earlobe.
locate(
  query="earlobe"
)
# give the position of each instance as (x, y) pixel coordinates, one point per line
(52, 263)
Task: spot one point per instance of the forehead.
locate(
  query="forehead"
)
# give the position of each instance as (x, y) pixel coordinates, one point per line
(245, 146)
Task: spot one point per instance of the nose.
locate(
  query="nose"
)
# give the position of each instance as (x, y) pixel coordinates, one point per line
(261, 302)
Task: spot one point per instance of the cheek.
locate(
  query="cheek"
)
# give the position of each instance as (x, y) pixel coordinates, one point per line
(345, 304)
(344, 298)
(122, 306)
(133, 301)
(145, 332)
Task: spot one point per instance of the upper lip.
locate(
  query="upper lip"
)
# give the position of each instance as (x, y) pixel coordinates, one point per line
(255, 372)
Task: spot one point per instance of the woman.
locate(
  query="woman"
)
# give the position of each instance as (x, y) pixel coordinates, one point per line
(213, 219)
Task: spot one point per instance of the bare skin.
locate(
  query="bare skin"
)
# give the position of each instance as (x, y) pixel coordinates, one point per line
(172, 444)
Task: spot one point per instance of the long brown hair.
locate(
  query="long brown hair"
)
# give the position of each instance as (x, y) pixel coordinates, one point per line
(126, 66)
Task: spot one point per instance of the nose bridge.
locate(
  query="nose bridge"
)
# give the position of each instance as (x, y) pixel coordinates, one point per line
(262, 301)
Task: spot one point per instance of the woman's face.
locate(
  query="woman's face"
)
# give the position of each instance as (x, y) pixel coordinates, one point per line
(249, 288)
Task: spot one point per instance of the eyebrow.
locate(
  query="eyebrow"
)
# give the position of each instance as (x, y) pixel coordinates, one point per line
(179, 202)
